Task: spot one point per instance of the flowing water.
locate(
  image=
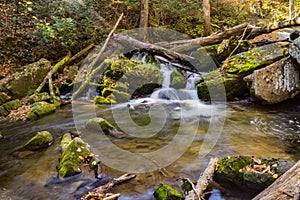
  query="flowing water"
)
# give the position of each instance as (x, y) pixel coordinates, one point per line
(248, 130)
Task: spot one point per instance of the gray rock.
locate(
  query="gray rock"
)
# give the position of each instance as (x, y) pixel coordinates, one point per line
(294, 49)
(274, 83)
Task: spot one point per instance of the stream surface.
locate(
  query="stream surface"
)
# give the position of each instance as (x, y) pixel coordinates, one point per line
(248, 130)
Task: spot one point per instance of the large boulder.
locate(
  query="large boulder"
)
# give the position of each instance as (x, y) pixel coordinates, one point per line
(24, 82)
(238, 67)
(274, 83)
(40, 140)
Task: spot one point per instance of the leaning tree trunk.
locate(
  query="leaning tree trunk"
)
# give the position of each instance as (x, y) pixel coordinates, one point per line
(206, 10)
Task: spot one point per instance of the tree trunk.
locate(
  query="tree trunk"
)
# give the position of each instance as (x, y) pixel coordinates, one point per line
(144, 19)
(285, 187)
(291, 8)
(206, 10)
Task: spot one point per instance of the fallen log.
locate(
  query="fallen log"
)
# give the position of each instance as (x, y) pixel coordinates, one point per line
(217, 37)
(286, 186)
(174, 57)
(203, 181)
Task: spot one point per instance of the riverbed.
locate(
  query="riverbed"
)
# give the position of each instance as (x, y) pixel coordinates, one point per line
(249, 129)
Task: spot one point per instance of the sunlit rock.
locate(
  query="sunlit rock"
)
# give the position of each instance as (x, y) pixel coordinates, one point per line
(275, 83)
(238, 67)
(40, 140)
(39, 97)
(166, 192)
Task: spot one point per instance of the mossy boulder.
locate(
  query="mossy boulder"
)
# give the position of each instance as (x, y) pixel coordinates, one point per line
(166, 192)
(39, 97)
(250, 172)
(12, 105)
(75, 153)
(40, 109)
(40, 140)
(178, 80)
(236, 69)
(24, 82)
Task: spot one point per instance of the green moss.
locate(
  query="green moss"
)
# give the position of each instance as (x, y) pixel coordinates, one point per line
(96, 123)
(39, 97)
(103, 100)
(3, 97)
(178, 79)
(71, 158)
(166, 192)
(233, 165)
(12, 105)
(3, 111)
(40, 109)
(40, 140)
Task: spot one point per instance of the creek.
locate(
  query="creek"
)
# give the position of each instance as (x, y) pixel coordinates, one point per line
(248, 130)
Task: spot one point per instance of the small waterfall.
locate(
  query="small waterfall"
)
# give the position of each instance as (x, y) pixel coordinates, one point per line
(166, 70)
(141, 57)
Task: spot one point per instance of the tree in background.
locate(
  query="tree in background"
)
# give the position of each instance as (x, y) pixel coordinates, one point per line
(206, 11)
(144, 18)
(292, 8)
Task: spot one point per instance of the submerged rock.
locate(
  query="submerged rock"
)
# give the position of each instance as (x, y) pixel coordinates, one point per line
(40, 109)
(75, 153)
(250, 172)
(275, 83)
(40, 140)
(238, 67)
(104, 100)
(166, 192)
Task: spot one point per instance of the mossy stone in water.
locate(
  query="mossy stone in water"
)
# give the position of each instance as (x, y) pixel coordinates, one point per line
(40, 140)
(166, 192)
(72, 157)
(104, 100)
(98, 122)
(39, 109)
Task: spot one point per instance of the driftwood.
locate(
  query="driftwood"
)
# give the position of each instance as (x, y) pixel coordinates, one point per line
(286, 186)
(203, 181)
(234, 31)
(102, 192)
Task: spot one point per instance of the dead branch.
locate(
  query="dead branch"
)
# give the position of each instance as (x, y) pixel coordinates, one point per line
(203, 180)
(95, 71)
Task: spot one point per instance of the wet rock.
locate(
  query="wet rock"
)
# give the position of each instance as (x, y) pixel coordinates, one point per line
(239, 66)
(98, 123)
(39, 97)
(29, 79)
(294, 49)
(12, 105)
(250, 172)
(75, 153)
(275, 83)
(166, 192)
(40, 140)
(40, 109)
